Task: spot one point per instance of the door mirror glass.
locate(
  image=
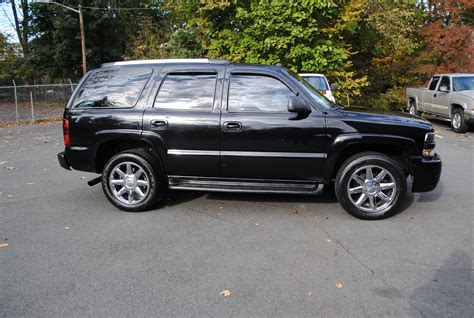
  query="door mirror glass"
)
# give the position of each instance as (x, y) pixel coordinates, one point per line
(444, 89)
(298, 105)
(334, 86)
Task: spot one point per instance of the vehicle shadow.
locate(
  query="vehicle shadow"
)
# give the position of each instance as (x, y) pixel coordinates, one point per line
(432, 195)
(449, 292)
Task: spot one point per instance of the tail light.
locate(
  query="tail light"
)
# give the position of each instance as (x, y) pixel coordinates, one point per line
(66, 132)
(323, 92)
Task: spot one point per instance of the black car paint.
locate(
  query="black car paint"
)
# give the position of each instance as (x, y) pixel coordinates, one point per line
(325, 131)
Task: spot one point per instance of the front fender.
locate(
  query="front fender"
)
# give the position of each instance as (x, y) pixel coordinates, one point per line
(364, 141)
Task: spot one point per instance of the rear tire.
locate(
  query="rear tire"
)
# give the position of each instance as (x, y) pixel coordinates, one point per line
(371, 186)
(458, 123)
(412, 109)
(131, 181)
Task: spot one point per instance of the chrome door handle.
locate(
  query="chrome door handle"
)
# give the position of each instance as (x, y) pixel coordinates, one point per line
(233, 125)
(158, 123)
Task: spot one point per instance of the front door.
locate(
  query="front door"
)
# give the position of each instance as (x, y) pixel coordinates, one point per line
(441, 99)
(261, 139)
(183, 119)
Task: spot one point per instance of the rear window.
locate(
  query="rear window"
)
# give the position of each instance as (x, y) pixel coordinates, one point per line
(120, 87)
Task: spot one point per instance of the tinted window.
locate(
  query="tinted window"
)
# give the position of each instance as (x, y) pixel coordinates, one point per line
(464, 83)
(120, 87)
(256, 93)
(318, 82)
(187, 91)
(433, 83)
(445, 82)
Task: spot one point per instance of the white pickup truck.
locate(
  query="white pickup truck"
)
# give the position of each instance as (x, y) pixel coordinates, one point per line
(447, 95)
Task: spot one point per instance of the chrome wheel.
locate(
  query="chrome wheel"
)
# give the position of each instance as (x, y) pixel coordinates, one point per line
(372, 189)
(129, 183)
(412, 110)
(456, 120)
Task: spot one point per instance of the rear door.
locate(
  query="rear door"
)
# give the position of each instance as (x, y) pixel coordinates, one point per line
(182, 119)
(260, 138)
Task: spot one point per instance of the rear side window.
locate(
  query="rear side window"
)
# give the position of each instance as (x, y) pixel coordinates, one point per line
(257, 93)
(120, 87)
(433, 83)
(187, 91)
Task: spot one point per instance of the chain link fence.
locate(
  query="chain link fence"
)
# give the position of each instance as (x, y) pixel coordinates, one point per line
(31, 103)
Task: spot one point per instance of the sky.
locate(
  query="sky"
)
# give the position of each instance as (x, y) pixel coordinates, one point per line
(6, 21)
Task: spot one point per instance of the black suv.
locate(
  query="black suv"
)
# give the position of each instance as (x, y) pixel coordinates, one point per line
(212, 125)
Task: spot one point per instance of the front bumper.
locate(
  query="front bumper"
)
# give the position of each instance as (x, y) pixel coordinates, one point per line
(63, 161)
(426, 173)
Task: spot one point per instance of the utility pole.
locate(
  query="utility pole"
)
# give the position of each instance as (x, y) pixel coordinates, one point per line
(83, 41)
(81, 26)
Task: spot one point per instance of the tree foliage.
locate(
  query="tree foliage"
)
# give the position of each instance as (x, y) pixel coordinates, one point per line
(372, 48)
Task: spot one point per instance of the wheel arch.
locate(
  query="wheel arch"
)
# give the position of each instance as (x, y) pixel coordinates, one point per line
(343, 147)
(453, 106)
(108, 147)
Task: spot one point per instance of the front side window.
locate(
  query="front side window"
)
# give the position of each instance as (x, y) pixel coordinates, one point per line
(119, 87)
(257, 93)
(187, 91)
(433, 83)
(445, 82)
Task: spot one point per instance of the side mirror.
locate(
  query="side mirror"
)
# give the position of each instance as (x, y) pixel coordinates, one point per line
(297, 105)
(444, 89)
(334, 86)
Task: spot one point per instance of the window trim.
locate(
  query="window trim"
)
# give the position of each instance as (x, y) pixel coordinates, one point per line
(250, 73)
(79, 88)
(437, 82)
(187, 72)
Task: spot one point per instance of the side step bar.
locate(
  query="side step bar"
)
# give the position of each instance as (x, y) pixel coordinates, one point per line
(244, 185)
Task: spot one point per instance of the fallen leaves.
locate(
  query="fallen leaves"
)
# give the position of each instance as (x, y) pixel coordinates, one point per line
(3, 245)
(225, 293)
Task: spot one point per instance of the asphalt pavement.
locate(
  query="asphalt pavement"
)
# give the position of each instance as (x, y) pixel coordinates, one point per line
(65, 251)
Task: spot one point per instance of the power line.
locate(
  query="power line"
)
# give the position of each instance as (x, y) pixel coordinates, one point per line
(118, 9)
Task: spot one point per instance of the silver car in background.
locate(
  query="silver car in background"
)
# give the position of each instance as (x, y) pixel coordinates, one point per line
(448, 96)
(320, 82)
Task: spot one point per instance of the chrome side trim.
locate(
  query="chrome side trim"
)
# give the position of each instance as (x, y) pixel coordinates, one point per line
(319, 189)
(273, 154)
(182, 152)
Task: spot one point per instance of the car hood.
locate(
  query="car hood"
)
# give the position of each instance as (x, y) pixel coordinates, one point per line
(469, 93)
(387, 117)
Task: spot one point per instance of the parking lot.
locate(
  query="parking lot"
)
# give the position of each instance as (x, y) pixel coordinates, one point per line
(66, 251)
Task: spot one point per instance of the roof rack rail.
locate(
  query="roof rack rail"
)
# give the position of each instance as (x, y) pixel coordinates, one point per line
(166, 61)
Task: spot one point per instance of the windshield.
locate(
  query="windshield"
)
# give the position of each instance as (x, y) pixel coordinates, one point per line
(463, 83)
(315, 94)
(317, 82)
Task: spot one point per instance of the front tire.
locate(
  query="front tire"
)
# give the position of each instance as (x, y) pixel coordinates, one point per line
(371, 186)
(130, 181)
(458, 123)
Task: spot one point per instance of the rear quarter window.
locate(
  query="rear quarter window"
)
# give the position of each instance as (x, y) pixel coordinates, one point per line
(115, 87)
